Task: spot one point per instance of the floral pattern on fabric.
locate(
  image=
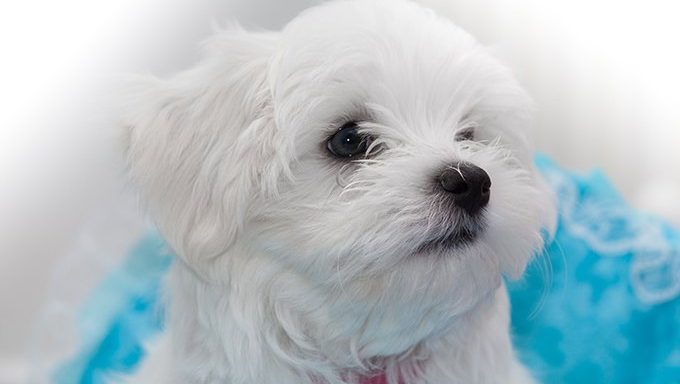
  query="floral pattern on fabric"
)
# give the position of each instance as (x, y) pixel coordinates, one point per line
(601, 304)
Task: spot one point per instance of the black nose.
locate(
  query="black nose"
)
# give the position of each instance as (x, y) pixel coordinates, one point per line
(469, 184)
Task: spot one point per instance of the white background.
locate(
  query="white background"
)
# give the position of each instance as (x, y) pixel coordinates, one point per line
(604, 75)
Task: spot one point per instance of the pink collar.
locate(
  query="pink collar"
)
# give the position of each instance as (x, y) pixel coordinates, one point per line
(379, 379)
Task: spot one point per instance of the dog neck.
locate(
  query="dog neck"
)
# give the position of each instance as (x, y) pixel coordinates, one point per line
(267, 325)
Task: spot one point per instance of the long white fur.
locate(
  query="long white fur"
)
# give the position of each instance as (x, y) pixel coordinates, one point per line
(297, 268)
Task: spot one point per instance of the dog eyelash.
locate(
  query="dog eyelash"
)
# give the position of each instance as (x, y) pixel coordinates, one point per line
(465, 134)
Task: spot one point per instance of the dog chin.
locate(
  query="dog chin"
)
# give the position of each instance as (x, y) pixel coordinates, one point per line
(451, 242)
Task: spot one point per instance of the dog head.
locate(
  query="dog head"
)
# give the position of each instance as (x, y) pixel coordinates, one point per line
(369, 145)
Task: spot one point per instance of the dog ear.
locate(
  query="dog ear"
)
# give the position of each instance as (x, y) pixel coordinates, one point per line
(197, 143)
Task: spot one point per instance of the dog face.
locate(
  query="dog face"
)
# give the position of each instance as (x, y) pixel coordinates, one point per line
(371, 146)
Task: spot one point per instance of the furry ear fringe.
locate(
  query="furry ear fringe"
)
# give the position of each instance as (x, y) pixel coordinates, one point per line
(178, 134)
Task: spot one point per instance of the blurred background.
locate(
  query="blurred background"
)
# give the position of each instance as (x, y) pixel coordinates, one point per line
(604, 75)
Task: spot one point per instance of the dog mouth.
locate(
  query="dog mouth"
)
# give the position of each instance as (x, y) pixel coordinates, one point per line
(451, 241)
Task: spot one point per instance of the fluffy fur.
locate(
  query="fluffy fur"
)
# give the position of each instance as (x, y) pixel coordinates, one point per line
(300, 268)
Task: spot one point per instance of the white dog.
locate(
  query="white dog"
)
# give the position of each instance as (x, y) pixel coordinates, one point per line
(344, 197)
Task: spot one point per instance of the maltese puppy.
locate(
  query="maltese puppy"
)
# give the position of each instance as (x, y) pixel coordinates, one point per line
(345, 197)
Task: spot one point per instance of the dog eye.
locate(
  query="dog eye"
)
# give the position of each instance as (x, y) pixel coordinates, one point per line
(348, 142)
(465, 134)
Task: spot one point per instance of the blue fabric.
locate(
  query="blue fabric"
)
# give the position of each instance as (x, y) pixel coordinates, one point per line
(599, 306)
(122, 314)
